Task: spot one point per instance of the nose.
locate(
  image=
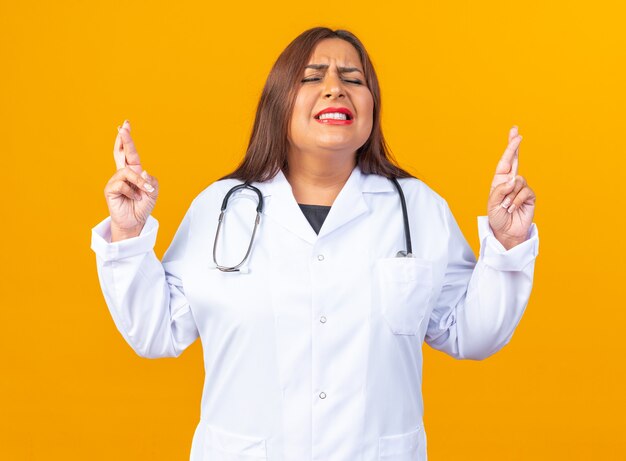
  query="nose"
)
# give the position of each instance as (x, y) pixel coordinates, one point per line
(333, 86)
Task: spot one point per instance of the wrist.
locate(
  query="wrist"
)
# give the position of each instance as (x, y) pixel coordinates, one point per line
(118, 233)
(509, 242)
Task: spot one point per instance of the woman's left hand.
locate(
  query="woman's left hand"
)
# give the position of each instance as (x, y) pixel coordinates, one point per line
(511, 204)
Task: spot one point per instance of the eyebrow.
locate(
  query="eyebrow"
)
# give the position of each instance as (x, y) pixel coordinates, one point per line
(343, 70)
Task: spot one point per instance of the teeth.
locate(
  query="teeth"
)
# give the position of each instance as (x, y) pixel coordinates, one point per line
(333, 115)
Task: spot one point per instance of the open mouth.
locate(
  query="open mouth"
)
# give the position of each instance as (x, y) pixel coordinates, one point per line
(333, 116)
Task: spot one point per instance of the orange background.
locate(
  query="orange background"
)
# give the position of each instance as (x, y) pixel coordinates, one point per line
(455, 76)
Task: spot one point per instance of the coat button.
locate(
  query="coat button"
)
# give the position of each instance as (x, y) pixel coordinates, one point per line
(322, 395)
(320, 257)
(323, 319)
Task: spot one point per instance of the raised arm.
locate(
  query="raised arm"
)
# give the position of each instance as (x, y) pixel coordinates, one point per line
(482, 302)
(146, 298)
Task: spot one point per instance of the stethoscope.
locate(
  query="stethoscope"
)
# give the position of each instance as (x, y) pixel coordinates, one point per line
(259, 209)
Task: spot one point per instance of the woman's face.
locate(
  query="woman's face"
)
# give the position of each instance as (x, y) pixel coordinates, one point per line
(334, 108)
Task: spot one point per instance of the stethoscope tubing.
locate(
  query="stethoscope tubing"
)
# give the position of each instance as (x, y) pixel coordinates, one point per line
(405, 218)
(259, 209)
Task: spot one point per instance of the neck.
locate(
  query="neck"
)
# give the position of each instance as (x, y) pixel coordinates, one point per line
(317, 180)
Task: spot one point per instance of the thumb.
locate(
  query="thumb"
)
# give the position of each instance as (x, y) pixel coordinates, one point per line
(501, 191)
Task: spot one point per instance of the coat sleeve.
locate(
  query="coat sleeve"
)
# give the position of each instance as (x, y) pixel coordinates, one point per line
(481, 302)
(146, 298)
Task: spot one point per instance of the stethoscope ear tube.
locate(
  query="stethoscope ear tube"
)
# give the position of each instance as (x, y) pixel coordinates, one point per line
(245, 185)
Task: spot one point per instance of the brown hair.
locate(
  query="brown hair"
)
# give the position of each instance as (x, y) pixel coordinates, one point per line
(269, 143)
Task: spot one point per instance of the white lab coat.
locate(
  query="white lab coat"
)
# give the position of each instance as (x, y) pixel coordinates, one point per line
(313, 351)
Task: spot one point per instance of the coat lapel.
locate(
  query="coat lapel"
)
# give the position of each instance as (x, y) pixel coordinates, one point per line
(348, 205)
(281, 205)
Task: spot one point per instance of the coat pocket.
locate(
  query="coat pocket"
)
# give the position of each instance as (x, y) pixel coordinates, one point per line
(404, 291)
(227, 446)
(409, 446)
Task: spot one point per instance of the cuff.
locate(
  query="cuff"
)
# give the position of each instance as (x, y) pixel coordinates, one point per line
(493, 254)
(109, 251)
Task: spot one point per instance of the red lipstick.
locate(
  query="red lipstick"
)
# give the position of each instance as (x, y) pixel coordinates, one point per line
(331, 121)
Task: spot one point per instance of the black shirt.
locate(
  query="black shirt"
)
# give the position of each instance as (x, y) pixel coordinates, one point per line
(315, 214)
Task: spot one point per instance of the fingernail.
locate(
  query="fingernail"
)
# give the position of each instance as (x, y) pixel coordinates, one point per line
(148, 187)
(119, 128)
(144, 174)
(511, 208)
(505, 203)
(138, 197)
(511, 181)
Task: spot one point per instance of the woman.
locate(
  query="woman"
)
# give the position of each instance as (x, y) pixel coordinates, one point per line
(312, 346)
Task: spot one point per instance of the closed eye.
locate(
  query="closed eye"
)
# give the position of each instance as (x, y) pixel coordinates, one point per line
(315, 79)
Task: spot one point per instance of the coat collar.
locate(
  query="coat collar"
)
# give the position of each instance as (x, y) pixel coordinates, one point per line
(349, 204)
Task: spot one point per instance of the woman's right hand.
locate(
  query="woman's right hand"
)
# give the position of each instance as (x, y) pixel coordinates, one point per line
(131, 192)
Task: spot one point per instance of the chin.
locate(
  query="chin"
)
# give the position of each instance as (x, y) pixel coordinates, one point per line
(334, 147)
(338, 143)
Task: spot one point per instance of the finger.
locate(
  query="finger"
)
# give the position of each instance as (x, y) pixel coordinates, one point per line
(151, 179)
(506, 161)
(118, 153)
(515, 162)
(154, 182)
(525, 197)
(132, 177)
(499, 192)
(513, 132)
(128, 145)
(520, 183)
(121, 187)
